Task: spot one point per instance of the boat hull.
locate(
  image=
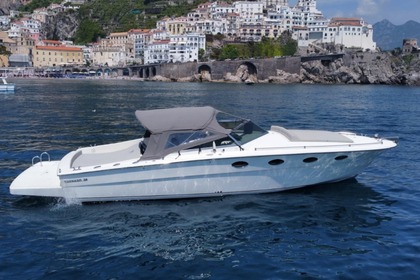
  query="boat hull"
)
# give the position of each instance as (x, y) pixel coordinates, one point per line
(8, 87)
(203, 178)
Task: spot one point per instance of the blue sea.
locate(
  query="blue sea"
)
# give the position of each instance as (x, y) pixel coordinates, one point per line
(366, 228)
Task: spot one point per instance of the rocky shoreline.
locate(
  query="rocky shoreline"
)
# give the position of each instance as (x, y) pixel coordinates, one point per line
(354, 68)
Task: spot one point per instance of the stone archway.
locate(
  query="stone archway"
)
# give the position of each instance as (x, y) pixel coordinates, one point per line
(140, 72)
(204, 73)
(126, 72)
(153, 71)
(247, 72)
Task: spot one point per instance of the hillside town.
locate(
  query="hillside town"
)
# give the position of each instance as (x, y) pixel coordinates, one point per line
(182, 39)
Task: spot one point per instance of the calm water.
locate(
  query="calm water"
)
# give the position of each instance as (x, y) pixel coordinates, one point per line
(367, 228)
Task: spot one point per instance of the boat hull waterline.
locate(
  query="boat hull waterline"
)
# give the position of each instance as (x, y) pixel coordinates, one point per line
(5, 86)
(116, 172)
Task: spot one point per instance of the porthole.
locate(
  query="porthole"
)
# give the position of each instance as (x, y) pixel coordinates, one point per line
(276, 161)
(240, 164)
(341, 157)
(310, 159)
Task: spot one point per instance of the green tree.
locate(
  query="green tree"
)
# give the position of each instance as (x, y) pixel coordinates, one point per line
(290, 48)
(229, 52)
(88, 31)
(201, 53)
(4, 51)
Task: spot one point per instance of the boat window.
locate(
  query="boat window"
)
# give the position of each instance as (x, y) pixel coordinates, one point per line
(310, 159)
(243, 130)
(182, 138)
(247, 131)
(228, 121)
(341, 157)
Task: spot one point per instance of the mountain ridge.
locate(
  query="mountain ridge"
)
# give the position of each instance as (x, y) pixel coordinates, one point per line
(389, 36)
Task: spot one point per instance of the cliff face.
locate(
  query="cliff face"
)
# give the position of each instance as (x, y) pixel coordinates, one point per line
(362, 68)
(63, 26)
(7, 5)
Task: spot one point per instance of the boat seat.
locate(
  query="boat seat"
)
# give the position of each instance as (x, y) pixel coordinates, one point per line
(88, 158)
(297, 135)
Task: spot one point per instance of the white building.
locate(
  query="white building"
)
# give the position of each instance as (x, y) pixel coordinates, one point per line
(274, 3)
(107, 54)
(178, 48)
(157, 52)
(350, 33)
(209, 26)
(141, 38)
(4, 22)
(25, 27)
(249, 12)
(247, 8)
(219, 10)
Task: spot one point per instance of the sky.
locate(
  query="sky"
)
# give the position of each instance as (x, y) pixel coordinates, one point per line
(372, 11)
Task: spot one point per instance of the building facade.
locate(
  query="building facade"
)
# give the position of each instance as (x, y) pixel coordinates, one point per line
(351, 33)
(176, 48)
(50, 56)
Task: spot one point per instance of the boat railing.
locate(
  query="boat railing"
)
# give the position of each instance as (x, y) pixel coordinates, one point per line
(41, 158)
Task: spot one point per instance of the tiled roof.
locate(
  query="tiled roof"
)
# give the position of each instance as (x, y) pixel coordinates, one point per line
(345, 21)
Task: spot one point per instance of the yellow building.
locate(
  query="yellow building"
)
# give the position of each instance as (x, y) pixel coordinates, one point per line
(176, 27)
(48, 56)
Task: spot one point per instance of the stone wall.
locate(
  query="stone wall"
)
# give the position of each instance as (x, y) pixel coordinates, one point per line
(232, 70)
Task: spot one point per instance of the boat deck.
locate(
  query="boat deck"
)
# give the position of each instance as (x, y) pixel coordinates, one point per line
(106, 154)
(296, 135)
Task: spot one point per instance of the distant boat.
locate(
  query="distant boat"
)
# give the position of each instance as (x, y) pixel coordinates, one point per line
(4, 86)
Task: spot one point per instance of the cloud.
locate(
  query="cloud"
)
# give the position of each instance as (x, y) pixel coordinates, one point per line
(367, 7)
(375, 8)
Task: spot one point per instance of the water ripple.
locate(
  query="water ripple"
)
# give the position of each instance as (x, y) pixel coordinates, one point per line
(364, 229)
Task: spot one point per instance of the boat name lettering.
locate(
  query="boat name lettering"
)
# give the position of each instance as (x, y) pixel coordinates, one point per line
(75, 180)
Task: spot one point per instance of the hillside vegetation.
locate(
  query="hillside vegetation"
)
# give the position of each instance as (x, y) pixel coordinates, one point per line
(268, 47)
(35, 4)
(96, 18)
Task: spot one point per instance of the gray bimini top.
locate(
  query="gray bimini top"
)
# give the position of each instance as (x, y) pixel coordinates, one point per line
(176, 129)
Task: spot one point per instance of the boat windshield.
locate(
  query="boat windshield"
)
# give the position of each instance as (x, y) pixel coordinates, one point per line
(176, 129)
(183, 138)
(242, 130)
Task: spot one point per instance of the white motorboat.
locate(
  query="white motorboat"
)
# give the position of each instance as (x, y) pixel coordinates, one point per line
(4, 86)
(200, 152)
